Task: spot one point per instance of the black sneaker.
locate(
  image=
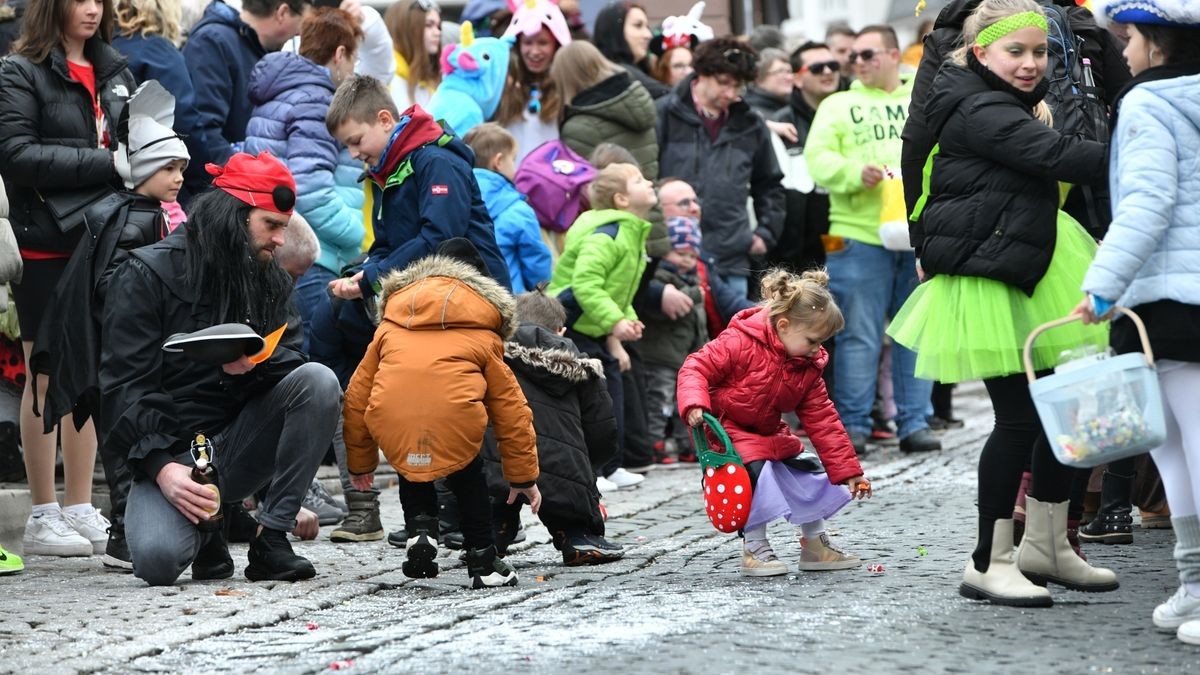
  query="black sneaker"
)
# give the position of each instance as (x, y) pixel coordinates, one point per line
(213, 560)
(116, 552)
(399, 538)
(938, 423)
(1109, 528)
(421, 558)
(240, 526)
(454, 541)
(922, 440)
(487, 570)
(271, 558)
(590, 549)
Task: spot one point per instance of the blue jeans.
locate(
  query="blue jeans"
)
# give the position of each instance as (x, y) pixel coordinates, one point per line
(870, 284)
(738, 283)
(312, 298)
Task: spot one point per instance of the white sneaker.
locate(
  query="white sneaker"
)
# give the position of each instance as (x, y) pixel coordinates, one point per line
(51, 534)
(1189, 632)
(624, 479)
(605, 485)
(93, 527)
(1179, 609)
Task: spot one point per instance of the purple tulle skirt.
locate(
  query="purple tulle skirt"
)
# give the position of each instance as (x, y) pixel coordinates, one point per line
(794, 495)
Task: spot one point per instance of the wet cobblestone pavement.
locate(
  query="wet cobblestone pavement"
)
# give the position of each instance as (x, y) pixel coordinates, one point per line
(674, 604)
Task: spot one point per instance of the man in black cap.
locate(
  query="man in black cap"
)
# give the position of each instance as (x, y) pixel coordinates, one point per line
(264, 420)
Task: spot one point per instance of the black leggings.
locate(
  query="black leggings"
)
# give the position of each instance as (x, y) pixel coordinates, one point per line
(470, 489)
(1016, 442)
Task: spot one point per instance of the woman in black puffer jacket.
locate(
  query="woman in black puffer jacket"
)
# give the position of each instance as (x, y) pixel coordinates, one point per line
(64, 89)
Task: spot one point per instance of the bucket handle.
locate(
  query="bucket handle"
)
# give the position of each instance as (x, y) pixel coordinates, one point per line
(1137, 321)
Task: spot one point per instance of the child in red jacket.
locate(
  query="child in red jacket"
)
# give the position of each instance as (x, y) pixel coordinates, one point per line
(769, 361)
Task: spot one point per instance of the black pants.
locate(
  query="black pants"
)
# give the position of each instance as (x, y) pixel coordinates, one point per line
(1017, 441)
(470, 489)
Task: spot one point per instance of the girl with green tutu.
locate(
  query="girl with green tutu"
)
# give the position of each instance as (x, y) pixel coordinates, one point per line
(1001, 259)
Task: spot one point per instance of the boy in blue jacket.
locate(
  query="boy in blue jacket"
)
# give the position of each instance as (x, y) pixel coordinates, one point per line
(517, 231)
(424, 194)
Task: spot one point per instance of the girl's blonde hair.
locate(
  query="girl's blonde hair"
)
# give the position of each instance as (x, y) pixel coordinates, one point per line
(987, 13)
(804, 299)
(612, 180)
(579, 66)
(150, 17)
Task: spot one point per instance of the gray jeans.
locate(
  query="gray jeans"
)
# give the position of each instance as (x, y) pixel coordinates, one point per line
(276, 442)
(660, 400)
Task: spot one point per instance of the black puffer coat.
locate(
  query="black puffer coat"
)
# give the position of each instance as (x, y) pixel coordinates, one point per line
(573, 418)
(48, 136)
(994, 193)
(1101, 46)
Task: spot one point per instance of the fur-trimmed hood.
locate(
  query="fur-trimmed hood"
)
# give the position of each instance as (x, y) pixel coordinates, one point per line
(441, 293)
(550, 360)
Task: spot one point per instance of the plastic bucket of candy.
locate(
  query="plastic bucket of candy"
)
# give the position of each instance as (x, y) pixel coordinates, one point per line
(1101, 409)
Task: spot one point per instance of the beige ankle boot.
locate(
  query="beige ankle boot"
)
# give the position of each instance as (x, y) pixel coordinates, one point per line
(1002, 583)
(1045, 555)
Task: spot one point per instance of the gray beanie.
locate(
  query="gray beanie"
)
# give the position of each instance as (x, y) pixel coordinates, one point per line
(147, 140)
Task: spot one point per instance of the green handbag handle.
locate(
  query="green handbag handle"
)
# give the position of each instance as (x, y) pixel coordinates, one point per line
(708, 456)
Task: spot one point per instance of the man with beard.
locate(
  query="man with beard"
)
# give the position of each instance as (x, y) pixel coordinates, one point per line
(269, 418)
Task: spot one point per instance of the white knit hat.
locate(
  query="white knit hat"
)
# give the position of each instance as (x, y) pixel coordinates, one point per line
(147, 141)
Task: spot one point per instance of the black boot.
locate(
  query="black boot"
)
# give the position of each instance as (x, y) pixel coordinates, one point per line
(116, 552)
(487, 570)
(213, 560)
(271, 558)
(1113, 523)
(421, 557)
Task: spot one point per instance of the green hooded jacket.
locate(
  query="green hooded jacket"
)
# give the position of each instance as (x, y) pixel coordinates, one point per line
(600, 269)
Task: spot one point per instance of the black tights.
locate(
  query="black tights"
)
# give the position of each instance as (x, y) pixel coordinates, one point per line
(1016, 442)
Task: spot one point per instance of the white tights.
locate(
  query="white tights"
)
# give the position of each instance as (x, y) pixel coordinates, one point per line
(1178, 459)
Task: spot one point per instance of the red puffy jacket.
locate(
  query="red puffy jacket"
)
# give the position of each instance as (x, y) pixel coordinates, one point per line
(747, 380)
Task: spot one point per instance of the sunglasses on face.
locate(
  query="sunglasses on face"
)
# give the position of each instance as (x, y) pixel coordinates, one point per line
(820, 68)
(865, 55)
(427, 6)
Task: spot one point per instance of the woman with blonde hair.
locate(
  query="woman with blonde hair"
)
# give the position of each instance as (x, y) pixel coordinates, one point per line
(148, 33)
(1004, 259)
(604, 104)
(416, 28)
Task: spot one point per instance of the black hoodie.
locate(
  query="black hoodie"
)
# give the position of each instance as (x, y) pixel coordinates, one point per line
(609, 38)
(1101, 46)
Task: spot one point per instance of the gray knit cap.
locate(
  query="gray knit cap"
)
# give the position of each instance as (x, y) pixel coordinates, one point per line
(147, 141)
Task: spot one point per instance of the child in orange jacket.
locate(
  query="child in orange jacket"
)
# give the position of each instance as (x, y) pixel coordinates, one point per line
(431, 380)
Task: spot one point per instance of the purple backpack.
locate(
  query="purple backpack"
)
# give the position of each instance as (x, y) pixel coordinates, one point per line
(555, 180)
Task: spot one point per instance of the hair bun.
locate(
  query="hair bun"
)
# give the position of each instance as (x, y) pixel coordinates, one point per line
(818, 275)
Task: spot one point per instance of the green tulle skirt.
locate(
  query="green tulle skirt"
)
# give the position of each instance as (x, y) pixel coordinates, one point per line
(971, 328)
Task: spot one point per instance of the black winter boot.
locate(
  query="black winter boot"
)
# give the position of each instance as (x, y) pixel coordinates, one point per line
(421, 557)
(213, 560)
(487, 570)
(271, 558)
(1113, 523)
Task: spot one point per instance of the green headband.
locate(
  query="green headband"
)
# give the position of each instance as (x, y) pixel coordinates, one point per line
(1011, 24)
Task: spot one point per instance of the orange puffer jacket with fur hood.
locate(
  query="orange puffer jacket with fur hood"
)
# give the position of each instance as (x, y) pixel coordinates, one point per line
(435, 374)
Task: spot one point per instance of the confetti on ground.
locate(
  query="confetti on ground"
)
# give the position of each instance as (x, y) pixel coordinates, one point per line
(231, 593)
(922, 551)
(875, 568)
(344, 664)
(312, 625)
(640, 539)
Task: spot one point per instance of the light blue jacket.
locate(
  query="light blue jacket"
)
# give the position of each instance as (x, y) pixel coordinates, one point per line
(517, 231)
(1152, 250)
(291, 96)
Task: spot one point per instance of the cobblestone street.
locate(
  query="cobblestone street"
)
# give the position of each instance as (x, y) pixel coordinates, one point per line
(674, 604)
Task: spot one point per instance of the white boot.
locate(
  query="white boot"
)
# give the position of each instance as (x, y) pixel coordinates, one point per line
(1045, 555)
(1002, 583)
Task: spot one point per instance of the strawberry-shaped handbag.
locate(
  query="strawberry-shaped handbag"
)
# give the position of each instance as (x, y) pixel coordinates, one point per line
(725, 484)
